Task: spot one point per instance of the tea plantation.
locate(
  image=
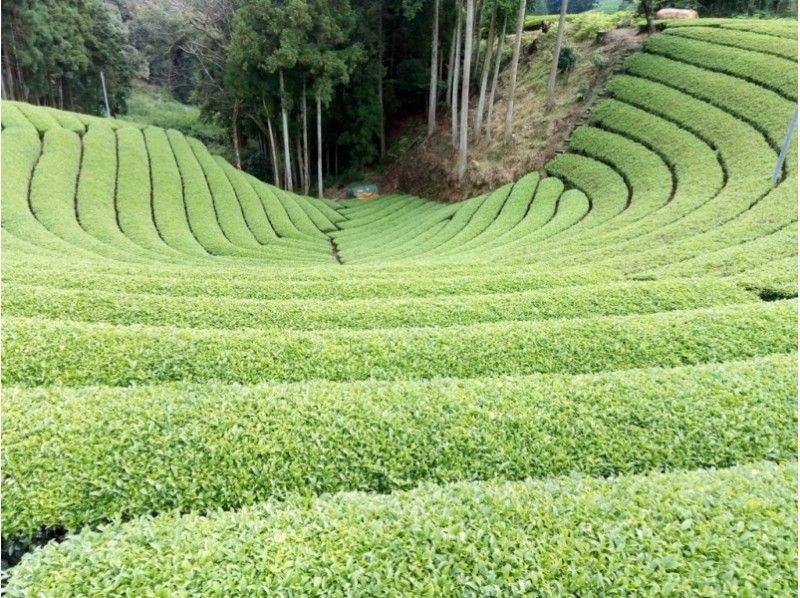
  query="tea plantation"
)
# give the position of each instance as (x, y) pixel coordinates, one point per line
(582, 383)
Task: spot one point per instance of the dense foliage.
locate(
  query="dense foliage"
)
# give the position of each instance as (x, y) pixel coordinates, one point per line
(706, 532)
(54, 53)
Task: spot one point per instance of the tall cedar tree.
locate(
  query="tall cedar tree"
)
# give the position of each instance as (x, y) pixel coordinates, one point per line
(514, 67)
(463, 125)
(551, 83)
(434, 75)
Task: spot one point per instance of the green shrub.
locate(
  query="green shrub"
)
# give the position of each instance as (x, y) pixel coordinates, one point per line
(772, 72)
(567, 59)
(169, 211)
(314, 314)
(40, 352)
(586, 25)
(707, 531)
(240, 445)
(19, 158)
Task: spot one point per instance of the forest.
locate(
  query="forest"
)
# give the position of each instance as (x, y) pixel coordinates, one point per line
(302, 88)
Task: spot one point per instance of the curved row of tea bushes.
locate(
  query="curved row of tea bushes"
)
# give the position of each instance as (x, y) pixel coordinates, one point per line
(271, 287)
(20, 155)
(541, 210)
(200, 210)
(94, 199)
(513, 211)
(785, 28)
(41, 352)
(760, 108)
(41, 119)
(52, 191)
(169, 209)
(645, 172)
(785, 48)
(712, 532)
(743, 256)
(150, 449)
(310, 314)
(134, 192)
(397, 241)
(772, 72)
(607, 191)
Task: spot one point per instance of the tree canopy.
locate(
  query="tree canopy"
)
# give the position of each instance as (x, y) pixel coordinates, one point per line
(54, 51)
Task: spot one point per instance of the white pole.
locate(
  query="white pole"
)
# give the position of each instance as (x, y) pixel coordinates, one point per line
(105, 94)
(776, 175)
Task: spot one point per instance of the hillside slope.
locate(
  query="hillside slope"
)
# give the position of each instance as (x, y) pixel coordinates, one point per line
(428, 167)
(583, 382)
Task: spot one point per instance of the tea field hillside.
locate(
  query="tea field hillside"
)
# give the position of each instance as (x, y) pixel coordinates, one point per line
(581, 383)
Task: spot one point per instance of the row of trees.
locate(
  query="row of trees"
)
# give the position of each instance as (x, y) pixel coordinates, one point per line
(465, 68)
(273, 71)
(285, 59)
(280, 55)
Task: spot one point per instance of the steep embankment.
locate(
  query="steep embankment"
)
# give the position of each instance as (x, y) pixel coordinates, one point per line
(428, 167)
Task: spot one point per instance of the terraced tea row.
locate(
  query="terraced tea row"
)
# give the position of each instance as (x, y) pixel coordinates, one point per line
(238, 446)
(45, 352)
(573, 535)
(310, 314)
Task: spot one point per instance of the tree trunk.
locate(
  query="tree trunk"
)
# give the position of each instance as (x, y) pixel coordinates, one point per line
(237, 156)
(68, 96)
(551, 83)
(647, 8)
(9, 92)
(514, 68)
(487, 63)
(287, 157)
(463, 131)
(434, 64)
(276, 169)
(456, 75)
(23, 91)
(382, 126)
(298, 147)
(495, 77)
(441, 72)
(319, 147)
(449, 97)
(476, 43)
(306, 168)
